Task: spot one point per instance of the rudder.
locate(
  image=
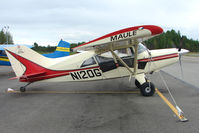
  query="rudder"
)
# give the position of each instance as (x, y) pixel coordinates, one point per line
(63, 49)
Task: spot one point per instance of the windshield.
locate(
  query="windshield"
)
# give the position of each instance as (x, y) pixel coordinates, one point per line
(141, 48)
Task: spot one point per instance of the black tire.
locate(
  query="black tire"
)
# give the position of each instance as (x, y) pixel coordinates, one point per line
(137, 83)
(22, 89)
(147, 89)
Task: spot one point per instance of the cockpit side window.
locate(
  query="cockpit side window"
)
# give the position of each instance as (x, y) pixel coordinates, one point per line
(102, 59)
(127, 55)
(88, 62)
(106, 62)
(125, 52)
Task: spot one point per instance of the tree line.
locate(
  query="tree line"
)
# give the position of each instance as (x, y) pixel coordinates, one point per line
(43, 49)
(169, 39)
(172, 39)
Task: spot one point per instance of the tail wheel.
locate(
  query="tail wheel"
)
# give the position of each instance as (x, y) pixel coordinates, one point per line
(22, 89)
(147, 89)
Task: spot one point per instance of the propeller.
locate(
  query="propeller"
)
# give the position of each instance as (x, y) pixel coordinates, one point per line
(181, 52)
(180, 57)
(180, 46)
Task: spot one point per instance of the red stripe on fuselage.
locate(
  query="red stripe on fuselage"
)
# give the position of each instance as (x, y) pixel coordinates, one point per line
(162, 57)
(32, 68)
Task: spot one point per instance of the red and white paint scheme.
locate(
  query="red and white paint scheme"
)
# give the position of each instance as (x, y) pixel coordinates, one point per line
(114, 55)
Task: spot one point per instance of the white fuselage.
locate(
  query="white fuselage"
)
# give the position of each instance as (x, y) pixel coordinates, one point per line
(97, 70)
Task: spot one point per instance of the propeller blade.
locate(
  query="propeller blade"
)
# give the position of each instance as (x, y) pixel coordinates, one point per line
(180, 62)
(181, 43)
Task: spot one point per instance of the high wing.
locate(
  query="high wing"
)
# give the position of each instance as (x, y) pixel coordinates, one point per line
(121, 39)
(124, 38)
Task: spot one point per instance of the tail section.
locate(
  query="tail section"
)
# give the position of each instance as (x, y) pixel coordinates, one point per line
(30, 66)
(4, 61)
(63, 49)
(26, 61)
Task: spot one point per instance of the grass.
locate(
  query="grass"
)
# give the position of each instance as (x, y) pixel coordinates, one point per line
(42, 52)
(71, 53)
(192, 54)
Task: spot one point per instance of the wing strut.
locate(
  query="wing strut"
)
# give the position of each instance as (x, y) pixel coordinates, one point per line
(116, 56)
(135, 57)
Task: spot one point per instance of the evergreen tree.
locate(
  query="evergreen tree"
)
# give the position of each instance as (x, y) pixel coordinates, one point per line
(2, 37)
(9, 37)
(5, 37)
(35, 45)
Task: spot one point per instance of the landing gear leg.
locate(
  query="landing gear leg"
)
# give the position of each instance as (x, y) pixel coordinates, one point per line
(23, 88)
(137, 83)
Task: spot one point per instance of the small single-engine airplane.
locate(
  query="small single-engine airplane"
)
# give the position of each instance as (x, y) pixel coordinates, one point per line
(63, 49)
(114, 55)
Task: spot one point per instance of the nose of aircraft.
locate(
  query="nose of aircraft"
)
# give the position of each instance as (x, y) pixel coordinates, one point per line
(183, 51)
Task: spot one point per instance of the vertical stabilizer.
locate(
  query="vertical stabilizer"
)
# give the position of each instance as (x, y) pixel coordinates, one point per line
(26, 61)
(63, 49)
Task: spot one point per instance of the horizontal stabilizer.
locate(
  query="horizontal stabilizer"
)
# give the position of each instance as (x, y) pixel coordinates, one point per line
(32, 75)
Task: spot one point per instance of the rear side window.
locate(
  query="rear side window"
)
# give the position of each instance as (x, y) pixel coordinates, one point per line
(88, 62)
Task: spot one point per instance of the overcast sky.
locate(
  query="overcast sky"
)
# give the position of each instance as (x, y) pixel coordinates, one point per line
(46, 22)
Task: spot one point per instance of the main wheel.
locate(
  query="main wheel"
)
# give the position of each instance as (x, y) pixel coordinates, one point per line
(147, 89)
(22, 89)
